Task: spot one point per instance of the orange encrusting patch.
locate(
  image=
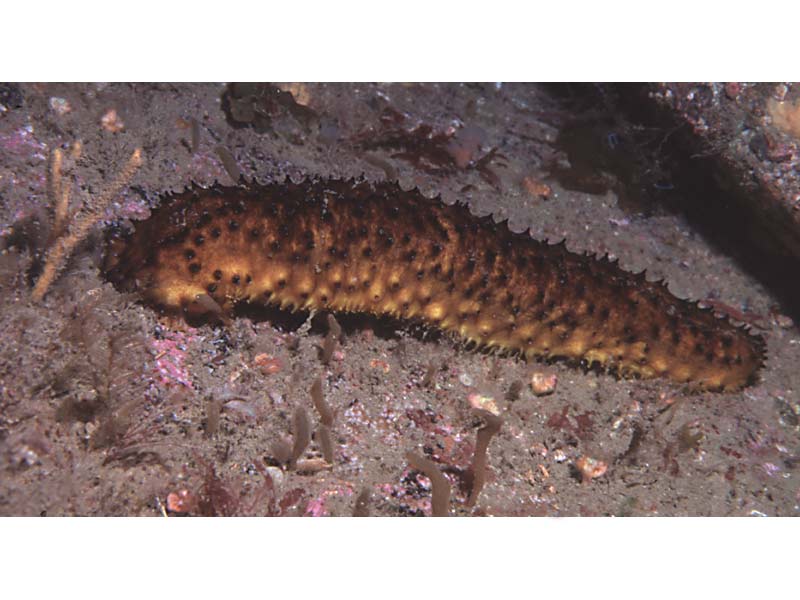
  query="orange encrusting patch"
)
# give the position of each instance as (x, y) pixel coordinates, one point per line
(356, 247)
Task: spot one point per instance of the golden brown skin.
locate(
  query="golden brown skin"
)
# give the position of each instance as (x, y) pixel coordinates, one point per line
(357, 247)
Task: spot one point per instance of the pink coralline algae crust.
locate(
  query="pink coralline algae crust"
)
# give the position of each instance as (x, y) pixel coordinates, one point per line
(316, 507)
(22, 143)
(171, 358)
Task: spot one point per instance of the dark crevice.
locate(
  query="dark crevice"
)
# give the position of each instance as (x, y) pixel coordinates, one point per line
(616, 138)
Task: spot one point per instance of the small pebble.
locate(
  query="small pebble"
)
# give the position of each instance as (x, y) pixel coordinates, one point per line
(112, 122)
(481, 402)
(277, 477)
(182, 501)
(268, 364)
(536, 188)
(591, 468)
(60, 106)
(24, 457)
(543, 383)
(377, 363)
(466, 380)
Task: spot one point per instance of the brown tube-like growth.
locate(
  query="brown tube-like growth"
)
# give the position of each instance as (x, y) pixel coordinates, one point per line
(301, 429)
(480, 459)
(440, 501)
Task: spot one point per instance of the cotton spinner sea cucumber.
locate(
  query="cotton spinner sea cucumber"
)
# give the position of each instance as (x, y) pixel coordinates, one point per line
(353, 246)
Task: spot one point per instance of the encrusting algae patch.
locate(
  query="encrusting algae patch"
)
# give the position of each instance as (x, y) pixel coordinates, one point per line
(352, 246)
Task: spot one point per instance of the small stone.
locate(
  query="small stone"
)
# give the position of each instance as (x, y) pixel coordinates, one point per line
(181, 502)
(268, 364)
(112, 122)
(299, 91)
(481, 402)
(543, 383)
(24, 457)
(377, 363)
(466, 380)
(277, 476)
(312, 465)
(60, 106)
(538, 449)
(536, 188)
(591, 468)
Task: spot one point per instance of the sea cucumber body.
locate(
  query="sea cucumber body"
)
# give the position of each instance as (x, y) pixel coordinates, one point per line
(357, 247)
